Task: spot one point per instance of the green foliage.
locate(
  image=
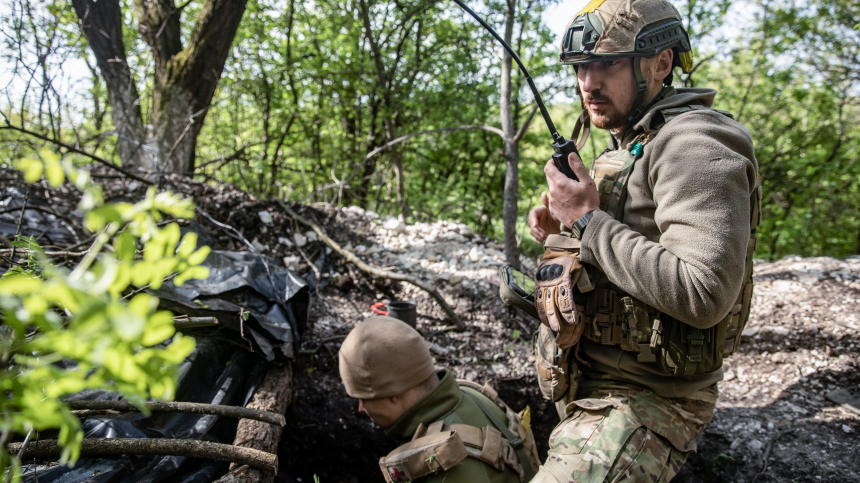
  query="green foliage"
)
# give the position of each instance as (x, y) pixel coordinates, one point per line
(106, 335)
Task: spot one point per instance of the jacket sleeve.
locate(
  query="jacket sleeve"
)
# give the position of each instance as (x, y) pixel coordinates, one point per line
(701, 172)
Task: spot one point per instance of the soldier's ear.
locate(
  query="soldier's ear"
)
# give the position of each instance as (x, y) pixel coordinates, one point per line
(663, 63)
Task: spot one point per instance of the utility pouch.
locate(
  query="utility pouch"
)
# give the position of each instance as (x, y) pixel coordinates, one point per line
(560, 281)
(423, 456)
(556, 369)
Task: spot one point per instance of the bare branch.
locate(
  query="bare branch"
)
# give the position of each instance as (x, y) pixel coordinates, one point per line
(181, 407)
(151, 446)
(376, 271)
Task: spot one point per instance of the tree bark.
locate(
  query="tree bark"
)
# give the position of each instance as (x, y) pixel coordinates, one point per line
(510, 211)
(273, 395)
(185, 77)
(101, 23)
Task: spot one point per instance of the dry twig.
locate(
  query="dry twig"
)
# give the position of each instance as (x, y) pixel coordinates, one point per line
(182, 407)
(378, 272)
(154, 446)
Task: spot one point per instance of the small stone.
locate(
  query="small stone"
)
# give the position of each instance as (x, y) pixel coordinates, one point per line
(265, 217)
(729, 375)
(291, 261)
(285, 241)
(300, 240)
(474, 255)
(756, 445)
(312, 236)
(847, 428)
(259, 246)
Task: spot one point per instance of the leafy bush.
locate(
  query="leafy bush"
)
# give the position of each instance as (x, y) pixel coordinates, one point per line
(105, 334)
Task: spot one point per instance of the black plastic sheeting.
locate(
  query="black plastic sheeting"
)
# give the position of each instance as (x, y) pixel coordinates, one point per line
(36, 221)
(264, 304)
(215, 373)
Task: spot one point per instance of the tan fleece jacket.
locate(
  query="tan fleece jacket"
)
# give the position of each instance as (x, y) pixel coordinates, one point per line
(681, 244)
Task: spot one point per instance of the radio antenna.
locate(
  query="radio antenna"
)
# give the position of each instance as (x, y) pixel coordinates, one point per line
(561, 146)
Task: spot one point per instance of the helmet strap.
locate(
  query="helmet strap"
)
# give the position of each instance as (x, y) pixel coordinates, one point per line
(641, 88)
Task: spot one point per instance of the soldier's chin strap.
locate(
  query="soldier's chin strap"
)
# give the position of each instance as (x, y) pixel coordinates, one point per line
(639, 110)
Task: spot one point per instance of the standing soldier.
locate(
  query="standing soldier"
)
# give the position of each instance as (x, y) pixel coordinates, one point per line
(460, 432)
(658, 279)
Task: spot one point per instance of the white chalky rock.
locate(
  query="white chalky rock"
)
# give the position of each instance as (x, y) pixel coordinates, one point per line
(259, 246)
(285, 241)
(291, 261)
(355, 209)
(265, 217)
(360, 249)
(312, 236)
(300, 240)
(394, 225)
(474, 254)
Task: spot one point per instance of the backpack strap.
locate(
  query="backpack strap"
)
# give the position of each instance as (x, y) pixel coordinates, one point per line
(525, 469)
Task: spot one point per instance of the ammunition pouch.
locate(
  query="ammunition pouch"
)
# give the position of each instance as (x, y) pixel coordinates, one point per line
(556, 368)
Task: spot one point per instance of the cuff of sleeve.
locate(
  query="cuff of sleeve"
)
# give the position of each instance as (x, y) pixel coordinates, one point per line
(589, 240)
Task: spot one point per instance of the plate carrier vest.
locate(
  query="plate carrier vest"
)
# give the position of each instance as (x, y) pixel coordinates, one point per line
(615, 318)
(440, 446)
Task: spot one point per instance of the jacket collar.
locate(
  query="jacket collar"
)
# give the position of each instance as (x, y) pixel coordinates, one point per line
(443, 400)
(674, 98)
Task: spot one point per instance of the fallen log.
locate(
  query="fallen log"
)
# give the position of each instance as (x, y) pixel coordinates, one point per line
(400, 277)
(154, 446)
(178, 407)
(273, 394)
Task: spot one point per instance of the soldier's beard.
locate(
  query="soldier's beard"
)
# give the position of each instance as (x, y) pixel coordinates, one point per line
(608, 115)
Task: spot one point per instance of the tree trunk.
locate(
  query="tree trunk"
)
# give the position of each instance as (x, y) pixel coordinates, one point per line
(185, 78)
(512, 157)
(273, 394)
(101, 23)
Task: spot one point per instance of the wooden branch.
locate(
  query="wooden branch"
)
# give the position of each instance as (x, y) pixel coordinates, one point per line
(519, 135)
(181, 407)
(273, 394)
(48, 449)
(192, 322)
(75, 150)
(400, 277)
(401, 139)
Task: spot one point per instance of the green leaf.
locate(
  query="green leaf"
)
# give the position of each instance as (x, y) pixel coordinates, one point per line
(31, 168)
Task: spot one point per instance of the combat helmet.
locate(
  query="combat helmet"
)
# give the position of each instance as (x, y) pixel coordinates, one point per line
(607, 29)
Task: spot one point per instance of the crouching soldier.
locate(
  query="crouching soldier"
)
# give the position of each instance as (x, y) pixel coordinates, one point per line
(460, 431)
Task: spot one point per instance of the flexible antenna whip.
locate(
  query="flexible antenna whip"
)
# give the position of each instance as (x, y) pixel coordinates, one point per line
(561, 146)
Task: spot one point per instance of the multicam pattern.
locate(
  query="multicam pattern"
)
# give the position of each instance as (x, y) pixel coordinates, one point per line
(620, 433)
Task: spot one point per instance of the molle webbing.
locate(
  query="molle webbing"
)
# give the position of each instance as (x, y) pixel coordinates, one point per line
(618, 319)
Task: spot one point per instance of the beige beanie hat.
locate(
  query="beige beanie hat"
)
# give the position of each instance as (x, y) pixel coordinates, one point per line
(383, 357)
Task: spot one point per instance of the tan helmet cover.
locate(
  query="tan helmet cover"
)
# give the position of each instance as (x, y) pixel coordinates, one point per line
(383, 357)
(622, 22)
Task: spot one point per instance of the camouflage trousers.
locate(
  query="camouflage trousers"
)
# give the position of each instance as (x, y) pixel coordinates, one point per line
(623, 433)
